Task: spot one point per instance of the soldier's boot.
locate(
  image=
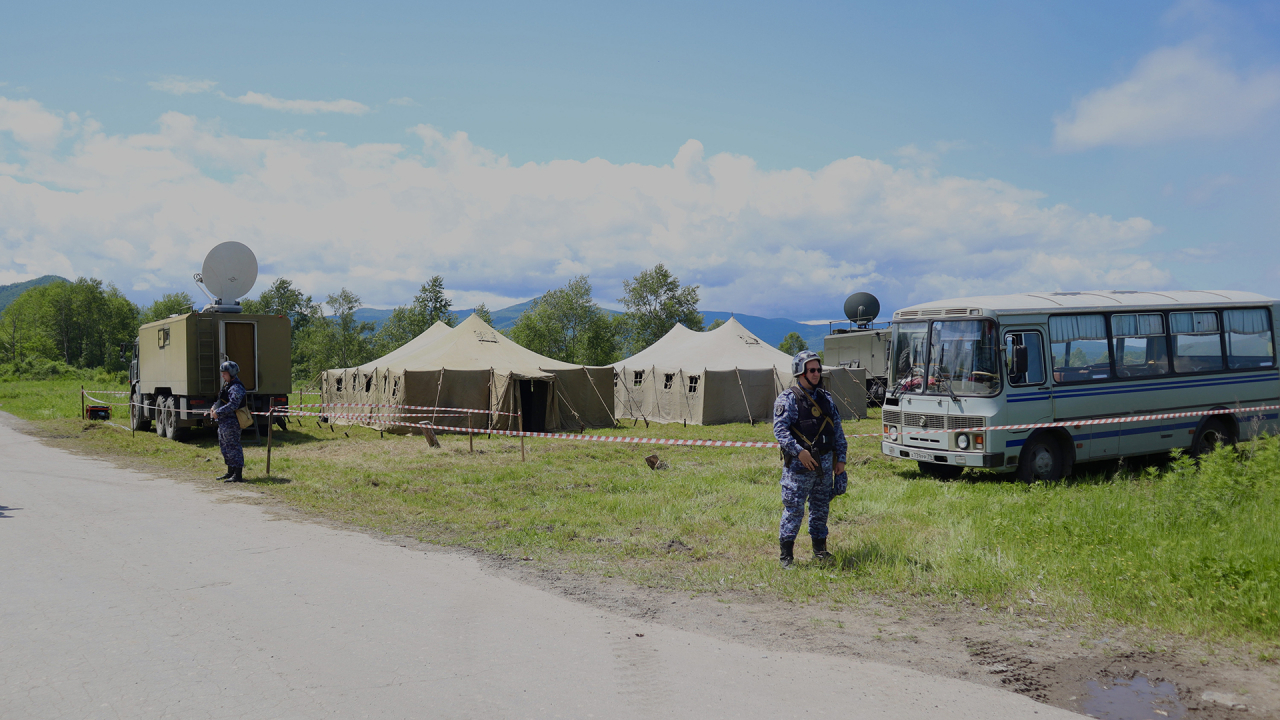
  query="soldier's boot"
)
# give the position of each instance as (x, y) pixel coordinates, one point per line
(236, 475)
(226, 475)
(787, 553)
(820, 550)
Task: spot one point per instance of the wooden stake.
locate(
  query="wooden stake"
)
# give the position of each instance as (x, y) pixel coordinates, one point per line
(81, 402)
(471, 439)
(271, 411)
(520, 419)
(430, 436)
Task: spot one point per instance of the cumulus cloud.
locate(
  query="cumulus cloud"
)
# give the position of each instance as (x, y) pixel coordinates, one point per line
(1173, 93)
(176, 85)
(403, 101)
(304, 107)
(141, 210)
(30, 123)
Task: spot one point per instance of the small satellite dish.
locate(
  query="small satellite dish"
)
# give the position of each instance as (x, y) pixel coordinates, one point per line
(861, 308)
(229, 271)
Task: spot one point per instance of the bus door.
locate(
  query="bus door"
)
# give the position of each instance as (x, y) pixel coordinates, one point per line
(1029, 398)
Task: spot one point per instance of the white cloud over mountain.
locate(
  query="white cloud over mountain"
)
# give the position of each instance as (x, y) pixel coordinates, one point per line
(142, 210)
(1173, 93)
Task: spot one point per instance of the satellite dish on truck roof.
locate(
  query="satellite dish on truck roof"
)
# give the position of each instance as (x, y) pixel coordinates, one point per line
(229, 271)
(861, 308)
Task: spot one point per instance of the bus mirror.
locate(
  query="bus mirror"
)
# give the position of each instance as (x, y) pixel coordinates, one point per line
(1018, 361)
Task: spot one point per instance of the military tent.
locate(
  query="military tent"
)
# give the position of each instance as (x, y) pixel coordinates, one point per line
(719, 376)
(474, 367)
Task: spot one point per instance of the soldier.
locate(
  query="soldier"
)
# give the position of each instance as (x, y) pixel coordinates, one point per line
(230, 399)
(807, 425)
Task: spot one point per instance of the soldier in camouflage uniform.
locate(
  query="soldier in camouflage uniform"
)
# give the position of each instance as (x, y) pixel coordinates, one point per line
(230, 398)
(807, 425)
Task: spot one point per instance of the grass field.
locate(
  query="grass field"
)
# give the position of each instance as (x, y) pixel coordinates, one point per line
(1170, 546)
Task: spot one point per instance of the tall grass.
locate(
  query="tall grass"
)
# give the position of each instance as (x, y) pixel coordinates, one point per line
(1177, 546)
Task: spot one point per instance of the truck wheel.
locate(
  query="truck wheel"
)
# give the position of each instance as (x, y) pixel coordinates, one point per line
(162, 420)
(1041, 459)
(1213, 433)
(939, 471)
(137, 414)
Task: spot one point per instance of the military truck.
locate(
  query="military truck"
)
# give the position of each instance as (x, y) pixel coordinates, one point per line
(174, 378)
(861, 345)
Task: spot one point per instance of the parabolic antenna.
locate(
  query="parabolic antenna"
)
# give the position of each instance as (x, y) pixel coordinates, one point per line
(229, 271)
(861, 307)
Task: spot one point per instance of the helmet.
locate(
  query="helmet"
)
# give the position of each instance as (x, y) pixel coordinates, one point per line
(229, 366)
(801, 359)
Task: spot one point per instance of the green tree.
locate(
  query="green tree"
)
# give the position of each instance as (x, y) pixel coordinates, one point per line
(178, 303)
(566, 324)
(717, 323)
(655, 301)
(482, 312)
(81, 323)
(22, 333)
(793, 343)
(282, 298)
(348, 339)
(429, 306)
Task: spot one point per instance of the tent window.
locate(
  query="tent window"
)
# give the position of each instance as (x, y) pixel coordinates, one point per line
(337, 384)
(693, 383)
(667, 379)
(639, 378)
(368, 383)
(395, 386)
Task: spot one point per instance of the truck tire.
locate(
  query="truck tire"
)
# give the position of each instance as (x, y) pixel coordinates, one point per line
(137, 414)
(162, 419)
(1212, 434)
(1041, 459)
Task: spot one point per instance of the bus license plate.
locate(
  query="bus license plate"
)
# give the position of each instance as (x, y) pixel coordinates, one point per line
(921, 456)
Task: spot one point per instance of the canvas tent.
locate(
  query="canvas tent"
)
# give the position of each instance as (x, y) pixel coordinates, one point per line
(472, 366)
(720, 376)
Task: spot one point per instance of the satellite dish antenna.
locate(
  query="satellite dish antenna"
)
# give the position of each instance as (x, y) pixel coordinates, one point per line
(861, 308)
(229, 271)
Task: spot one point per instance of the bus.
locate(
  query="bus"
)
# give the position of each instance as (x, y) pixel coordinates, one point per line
(962, 370)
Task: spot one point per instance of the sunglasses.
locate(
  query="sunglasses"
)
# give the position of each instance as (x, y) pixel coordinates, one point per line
(814, 370)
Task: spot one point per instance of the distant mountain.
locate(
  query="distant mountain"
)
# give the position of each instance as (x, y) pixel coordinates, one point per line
(9, 293)
(770, 330)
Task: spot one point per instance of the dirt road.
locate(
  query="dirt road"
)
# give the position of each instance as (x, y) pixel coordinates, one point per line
(128, 595)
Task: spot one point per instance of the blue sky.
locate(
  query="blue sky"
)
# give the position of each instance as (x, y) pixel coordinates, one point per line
(918, 152)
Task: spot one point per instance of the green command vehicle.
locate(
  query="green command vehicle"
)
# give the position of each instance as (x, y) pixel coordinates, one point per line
(174, 377)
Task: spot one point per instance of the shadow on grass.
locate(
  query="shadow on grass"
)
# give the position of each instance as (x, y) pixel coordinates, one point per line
(273, 480)
(869, 555)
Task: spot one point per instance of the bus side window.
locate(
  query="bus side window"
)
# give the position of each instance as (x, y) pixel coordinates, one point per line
(1078, 345)
(1139, 345)
(1249, 342)
(1197, 342)
(1034, 347)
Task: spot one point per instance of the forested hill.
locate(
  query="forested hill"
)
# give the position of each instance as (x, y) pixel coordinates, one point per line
(9, 293)
(770, 330)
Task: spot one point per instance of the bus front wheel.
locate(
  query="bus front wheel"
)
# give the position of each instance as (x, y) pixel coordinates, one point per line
(1041, 459)
(1212, 434)
(939, 471)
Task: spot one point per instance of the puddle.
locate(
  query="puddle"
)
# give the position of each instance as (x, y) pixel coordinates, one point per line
(1135, 699)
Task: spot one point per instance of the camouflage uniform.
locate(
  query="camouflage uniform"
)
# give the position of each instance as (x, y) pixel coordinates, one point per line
(229, 399)
(798, 483)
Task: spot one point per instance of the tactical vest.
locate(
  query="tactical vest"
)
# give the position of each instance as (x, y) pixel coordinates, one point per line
(224, 395)
(815, 434)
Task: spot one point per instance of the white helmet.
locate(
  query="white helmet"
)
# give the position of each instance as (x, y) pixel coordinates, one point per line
(801, 359)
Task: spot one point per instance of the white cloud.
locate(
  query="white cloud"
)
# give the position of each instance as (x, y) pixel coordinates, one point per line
(380, 219)
(30, 123)
(1173, 93)
(176, 85)
(305, 107)
(403, 101)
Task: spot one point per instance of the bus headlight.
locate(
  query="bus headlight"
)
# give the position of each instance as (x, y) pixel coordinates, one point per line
(962, 441)
(891, 432)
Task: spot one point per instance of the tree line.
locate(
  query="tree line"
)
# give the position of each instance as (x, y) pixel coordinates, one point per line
(84, 323)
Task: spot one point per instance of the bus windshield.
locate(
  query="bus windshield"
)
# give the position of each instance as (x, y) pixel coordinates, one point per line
(962, 358)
